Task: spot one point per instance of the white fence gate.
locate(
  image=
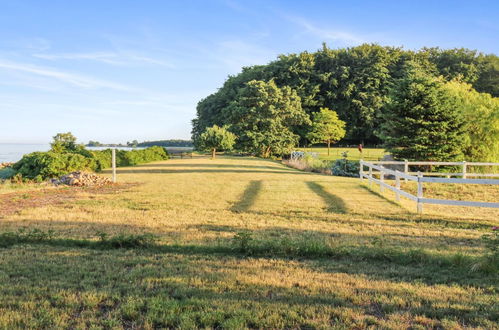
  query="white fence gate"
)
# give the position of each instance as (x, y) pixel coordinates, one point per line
(374, 169)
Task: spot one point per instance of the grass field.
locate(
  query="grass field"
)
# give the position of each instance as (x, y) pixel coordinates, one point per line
(353, 153)
(241, 243)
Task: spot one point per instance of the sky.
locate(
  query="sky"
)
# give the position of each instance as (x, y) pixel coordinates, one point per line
(115, 71)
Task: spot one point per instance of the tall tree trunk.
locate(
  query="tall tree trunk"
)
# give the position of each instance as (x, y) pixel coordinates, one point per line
(213, 152)
(328, 146)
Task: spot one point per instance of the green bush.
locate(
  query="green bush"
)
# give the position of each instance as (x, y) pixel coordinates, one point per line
(44, 165)
(345, 167)
(103, 158)
(140, 156)
(7, 173)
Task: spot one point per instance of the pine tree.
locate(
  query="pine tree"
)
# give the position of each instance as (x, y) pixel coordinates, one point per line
(422, 121)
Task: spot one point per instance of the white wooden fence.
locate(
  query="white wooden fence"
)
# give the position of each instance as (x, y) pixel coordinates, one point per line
(420, 179)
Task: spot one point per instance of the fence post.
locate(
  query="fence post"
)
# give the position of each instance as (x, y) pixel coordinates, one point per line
(464, 170)
(113, 161)
(370, 176)
(361, 170)
(397, 185)
(381, 179)
(406, 168)
(420, 193)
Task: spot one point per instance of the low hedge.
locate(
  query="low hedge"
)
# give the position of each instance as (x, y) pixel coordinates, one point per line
(40, 166)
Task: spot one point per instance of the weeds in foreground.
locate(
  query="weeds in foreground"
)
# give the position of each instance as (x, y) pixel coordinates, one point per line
(246, 243)
(489, 263)
(37, 236)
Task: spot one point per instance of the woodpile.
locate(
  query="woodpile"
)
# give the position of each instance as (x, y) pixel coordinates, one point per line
(81, 179)
(3, 165)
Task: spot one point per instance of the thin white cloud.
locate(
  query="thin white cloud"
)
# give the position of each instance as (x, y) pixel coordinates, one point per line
(65, 77)
(113, 58)
(327, 34)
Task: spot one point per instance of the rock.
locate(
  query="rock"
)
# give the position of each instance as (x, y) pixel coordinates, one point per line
(81, 179)
(3, 165)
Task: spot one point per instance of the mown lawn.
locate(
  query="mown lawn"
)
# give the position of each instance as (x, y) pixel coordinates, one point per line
(242, 242)
(353, 153)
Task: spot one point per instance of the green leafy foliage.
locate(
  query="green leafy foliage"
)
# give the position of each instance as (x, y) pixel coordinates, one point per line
(7, 173)
(66, 157)
(64, 142)
(422, 121)
(481, 117)
(355, 82)
(216, 138)
(263, 118)
(345, 167)
(326, 127)
(44, 165)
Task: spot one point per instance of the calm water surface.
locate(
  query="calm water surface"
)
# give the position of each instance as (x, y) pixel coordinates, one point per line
(12, 152)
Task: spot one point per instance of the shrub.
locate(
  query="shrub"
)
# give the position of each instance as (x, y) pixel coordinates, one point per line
(39, 166)
(345, 167)
(151, 154)
(308, 162)
(43, 165)
(7, 173)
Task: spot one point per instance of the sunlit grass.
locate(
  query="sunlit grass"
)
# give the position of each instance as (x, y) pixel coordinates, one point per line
(353, 153)
(244, 242)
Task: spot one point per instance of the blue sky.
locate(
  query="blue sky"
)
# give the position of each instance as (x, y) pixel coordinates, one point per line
(115, 71)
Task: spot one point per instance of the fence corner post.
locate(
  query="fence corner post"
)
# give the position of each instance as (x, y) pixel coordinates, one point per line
(113, 161)
(464, 169)
(420, 193)
(397, 185)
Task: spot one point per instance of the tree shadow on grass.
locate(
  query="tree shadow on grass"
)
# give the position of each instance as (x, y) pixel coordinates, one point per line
(164, 285)
(392, 202)
(335, 203)
(248, 197)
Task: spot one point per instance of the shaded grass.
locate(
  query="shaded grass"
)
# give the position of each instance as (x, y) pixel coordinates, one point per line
(245, 243)
(353, 153)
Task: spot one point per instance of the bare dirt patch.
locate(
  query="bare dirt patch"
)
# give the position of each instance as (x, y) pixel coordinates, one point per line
(14, 202)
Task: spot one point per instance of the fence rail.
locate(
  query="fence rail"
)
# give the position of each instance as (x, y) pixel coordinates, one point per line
(420, 179)
(464, 167)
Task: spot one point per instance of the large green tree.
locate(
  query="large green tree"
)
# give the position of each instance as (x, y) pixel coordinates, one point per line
(481, 120)
(263, 117)
(326, 127)
(216, 138)
(422, 121)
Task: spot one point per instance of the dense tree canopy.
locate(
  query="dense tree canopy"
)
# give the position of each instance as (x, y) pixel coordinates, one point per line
(263, 117)
(356, 82)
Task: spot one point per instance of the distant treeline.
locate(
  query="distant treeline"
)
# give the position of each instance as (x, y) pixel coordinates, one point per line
(135, 143)
(166, 143)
